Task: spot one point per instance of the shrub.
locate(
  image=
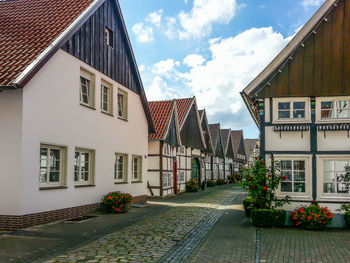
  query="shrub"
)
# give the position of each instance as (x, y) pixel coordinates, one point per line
(220, 181)
(313, 217)
(232, 179)
(347, 219)
(192, 186)
(248, 205)
(268, 217)
(116, 202)
(211, 183)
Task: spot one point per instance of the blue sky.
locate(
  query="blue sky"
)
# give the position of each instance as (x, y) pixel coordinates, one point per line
(210, 48)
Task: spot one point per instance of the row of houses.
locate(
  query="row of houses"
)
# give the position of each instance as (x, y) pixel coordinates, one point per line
(75, 123)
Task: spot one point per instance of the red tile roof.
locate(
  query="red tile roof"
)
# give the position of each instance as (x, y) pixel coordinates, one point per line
(28, 27)
(183, 106)
(161, 113)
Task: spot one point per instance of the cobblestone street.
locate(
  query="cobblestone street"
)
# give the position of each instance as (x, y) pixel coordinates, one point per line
(203, 227)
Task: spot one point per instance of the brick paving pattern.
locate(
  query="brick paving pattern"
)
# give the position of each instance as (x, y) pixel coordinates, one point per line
(149, 240)
(232, 239)
(304, 246)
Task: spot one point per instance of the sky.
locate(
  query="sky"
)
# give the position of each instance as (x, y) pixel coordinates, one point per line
(211, 49)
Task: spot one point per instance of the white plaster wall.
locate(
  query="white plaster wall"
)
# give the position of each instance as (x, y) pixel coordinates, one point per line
(153, 147)
(10, 152)
(153, 162)
(289, 141)
(267, 110)
(333, 141)
(52, 114)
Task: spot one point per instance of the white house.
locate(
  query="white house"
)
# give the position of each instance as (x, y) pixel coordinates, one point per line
(218, 168)
(300, 102)
(74, 116)
(229, 152)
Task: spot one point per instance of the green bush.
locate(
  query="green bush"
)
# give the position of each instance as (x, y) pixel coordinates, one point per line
(116, 202)
(347, 219)
(220, 181)
(268, 217)
(232, 179)
(247, 204)
(211, 183)
(192, 186)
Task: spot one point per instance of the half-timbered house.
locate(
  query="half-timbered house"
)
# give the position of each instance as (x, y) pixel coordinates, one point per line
(301, 103)
(162, 150)
(218, 170)
(252, 150)
(208, 152)
(74, 116)
(190, 160)
(229, 152)
(239, 151)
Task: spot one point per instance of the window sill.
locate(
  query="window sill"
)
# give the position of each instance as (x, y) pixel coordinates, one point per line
(107, 113)
(88, 106)
(84, 185)
(122, 119)
(136, 182)
(52, 188)
(120, 182)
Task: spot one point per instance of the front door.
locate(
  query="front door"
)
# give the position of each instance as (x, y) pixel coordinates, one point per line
(175, 175)
(195, 169)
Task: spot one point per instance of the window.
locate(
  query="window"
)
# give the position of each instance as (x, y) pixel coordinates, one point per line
(136, 168)
(167, 180)
(294, 172)
(335, 176)
(120, 167)
(108, 36)
(181, 175)
(337, 109)
(122, 105)
(288, 110)
(83, 166)
(106, 98)
(87, 88)
(52, 165)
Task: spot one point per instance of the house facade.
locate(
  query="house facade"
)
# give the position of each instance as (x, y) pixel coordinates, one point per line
(218, 159)
(163, 177)
(229, 152)
(239, 150)
(300, 102)
(74, 116)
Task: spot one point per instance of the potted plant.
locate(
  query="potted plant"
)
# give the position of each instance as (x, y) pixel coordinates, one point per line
(211, 183)
(312, 217)
(116, 202)
(192, 186)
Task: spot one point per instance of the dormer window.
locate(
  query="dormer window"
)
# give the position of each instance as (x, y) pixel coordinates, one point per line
(288, 110)
(337, 109)
(108, 36)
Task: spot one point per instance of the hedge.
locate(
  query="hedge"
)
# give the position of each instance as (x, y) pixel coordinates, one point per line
(268, 217)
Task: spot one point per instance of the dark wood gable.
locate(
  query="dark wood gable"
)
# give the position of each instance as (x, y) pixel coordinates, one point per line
(219, 147)
(241, 149)
(88, 44)
(190, 132)
(320, 66)
(206, 135)
(171, 137)
(230, 153)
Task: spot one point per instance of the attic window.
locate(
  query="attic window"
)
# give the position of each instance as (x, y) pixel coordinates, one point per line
(109, 37)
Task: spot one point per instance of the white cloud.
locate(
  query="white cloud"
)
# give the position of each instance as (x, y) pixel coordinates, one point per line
(159, 90)
(144, 34)
(155, 17)
(166, 68)
(199, 21)
(310, 3)
(217, 81)
(194, 60)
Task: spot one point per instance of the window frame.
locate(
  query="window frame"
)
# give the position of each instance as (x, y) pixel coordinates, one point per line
(291, 100)
(109, 37)
(124, 178)
(139, 168)
(307, 196)
(319, 101)
(63, 166)
(84, 74)
(124, 115)
(320, 178)
(109, 87)
(293, 172)
(91, 167)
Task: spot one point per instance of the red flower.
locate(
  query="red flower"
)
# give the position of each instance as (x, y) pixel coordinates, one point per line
(262, 161)
(284, 177)
(264, 188)
(251, 178)
(270, 175)
(253, 186)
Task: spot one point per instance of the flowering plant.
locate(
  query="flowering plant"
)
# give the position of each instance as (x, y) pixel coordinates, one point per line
(116, 202)
(261, 184)
(312, 216)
